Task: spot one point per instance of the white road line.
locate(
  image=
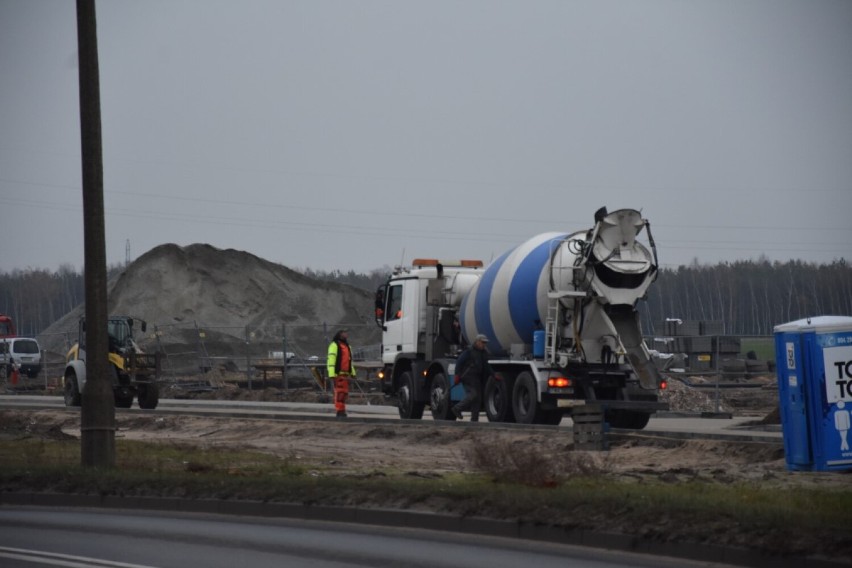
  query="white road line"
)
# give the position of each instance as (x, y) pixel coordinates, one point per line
(53, 559)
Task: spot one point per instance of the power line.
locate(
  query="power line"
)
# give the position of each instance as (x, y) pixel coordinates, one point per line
(386, 232)
(398, 215)
(197, 165)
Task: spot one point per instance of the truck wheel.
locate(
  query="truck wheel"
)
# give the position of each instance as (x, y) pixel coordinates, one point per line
(498, 400)
(525, 400)
(408, 408)
(149, 396)
(628, 419)
(72, 393)
(552, 417)
(123, 398)
(639, 420)
(439, 398)
(617, 418)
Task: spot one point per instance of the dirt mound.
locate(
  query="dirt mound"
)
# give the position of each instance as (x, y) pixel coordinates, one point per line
(755, 397)
(683, 398)
(230, 294)
(225, 288)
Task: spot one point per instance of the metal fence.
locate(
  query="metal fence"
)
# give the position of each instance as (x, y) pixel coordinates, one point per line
(192, 349)
(269, 354)
(52, 368)
(730, 357)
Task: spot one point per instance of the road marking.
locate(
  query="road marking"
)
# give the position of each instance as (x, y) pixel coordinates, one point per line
(53, 559)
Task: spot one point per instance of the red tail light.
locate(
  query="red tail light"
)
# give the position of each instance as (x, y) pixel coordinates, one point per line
(663, 385)
(559, 382)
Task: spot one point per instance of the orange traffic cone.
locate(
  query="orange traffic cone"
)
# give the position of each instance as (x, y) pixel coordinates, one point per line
(15, 375)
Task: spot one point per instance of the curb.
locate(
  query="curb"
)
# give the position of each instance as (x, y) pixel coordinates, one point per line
(426, 521)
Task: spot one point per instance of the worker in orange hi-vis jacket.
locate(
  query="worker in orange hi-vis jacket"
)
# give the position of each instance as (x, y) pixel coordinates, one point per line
(16, 373)
(340, 368)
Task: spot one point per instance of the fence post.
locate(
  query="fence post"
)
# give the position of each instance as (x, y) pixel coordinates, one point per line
(162, 351)
(284, 375)
(718, 374)
(248, 360)
(203, 355)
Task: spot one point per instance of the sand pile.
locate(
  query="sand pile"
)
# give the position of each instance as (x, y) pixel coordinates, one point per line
(180, 289)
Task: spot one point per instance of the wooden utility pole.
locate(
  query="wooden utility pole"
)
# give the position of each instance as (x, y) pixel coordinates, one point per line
(97, 417)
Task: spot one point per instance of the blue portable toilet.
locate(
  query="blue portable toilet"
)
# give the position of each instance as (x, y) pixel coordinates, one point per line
(814, 366)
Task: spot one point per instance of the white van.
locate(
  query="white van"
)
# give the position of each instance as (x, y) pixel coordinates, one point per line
(25, 352)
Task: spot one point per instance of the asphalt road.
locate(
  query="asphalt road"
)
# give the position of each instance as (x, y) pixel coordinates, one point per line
(41, 537)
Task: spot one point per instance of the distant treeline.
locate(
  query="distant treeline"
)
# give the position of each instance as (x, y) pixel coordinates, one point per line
(749, 297)
(35, 298)
(370, 281)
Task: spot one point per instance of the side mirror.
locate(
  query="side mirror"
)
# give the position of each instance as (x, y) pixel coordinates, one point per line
(380, 306)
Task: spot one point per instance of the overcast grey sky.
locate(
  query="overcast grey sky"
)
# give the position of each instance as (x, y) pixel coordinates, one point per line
(346, 134)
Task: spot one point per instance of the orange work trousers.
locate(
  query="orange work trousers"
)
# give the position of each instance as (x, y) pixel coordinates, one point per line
(341, 392)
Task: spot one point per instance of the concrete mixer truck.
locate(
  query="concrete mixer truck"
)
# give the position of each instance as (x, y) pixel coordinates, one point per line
(560, 314)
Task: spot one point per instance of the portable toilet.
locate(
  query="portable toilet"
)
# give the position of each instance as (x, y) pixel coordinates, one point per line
(814, 368)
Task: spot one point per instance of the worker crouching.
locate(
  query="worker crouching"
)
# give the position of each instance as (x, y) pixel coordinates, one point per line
(340, 369)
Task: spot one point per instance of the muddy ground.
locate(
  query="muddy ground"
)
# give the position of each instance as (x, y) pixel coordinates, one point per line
(349, 447)
(756, 397)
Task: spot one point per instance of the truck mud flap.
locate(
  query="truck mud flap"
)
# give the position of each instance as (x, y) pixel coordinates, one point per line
(625, 322)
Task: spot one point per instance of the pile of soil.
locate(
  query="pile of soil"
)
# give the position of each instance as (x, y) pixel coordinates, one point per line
(683, 398)
(753, 397)
(228, 294)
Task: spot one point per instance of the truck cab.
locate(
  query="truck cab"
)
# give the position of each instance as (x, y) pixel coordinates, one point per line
(7, 327)
(417, 310)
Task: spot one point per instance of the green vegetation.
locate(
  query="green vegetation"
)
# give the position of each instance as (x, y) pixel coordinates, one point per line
(763, 347)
